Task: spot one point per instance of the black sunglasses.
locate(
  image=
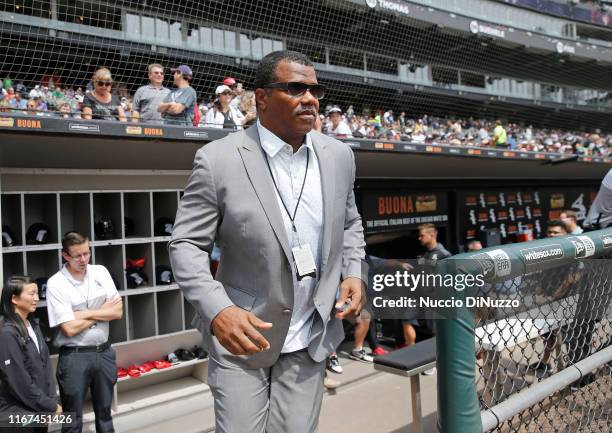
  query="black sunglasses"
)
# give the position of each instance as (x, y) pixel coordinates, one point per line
(295, 88)
(104, 83)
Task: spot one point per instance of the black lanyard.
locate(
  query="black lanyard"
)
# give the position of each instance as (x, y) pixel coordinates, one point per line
(292, 218)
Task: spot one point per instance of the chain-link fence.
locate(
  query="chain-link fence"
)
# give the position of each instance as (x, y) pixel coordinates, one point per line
(543, 334)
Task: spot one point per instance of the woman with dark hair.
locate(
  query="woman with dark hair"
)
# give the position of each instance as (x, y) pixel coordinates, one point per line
(27, 385)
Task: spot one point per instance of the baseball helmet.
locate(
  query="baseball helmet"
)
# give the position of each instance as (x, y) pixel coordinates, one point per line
(163, 226)
(8, 236)
(38, 233)
(42, 287)
(163, 274)
(184, 354)
(104, 228)
(199, 352)
(135, 277)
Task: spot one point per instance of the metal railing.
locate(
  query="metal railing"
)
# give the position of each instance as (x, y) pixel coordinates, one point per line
(540, 361)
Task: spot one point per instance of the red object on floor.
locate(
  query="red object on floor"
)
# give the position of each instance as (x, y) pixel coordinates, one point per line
(121, 372)
(133, 371)
(146, 367)
(379, 351)
(161, 364)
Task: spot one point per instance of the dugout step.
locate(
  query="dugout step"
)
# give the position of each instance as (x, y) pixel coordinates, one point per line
(148, 409)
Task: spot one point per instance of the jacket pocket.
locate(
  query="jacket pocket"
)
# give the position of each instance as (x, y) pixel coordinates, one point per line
(240, 298)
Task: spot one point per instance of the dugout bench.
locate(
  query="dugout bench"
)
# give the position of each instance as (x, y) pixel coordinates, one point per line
(411, 362)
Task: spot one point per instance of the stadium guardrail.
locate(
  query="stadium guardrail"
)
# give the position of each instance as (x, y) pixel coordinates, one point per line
(55, 125)
(541, 359)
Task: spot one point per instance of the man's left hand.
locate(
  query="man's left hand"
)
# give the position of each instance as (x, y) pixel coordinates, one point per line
(352, 291)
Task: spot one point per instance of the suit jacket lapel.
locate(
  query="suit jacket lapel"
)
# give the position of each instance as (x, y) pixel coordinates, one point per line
(326, 167)
(257, 170)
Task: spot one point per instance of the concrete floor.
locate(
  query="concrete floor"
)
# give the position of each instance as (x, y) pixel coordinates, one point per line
(366, 402)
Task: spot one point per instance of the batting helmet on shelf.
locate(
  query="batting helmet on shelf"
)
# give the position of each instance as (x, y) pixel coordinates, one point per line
(163, 274)
(135, 278)
(8, 236)
(42, 287)
(104, 228)
(163, 226)
(38, 233)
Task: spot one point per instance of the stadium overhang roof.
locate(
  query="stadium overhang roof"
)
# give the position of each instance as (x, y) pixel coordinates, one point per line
(497, 33)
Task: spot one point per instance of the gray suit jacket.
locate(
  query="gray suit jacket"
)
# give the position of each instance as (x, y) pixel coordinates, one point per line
(230, 199)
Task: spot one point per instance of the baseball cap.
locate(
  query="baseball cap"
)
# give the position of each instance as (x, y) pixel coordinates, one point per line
(222, 88)
(229, 81)
(335, 109)
(183, 69)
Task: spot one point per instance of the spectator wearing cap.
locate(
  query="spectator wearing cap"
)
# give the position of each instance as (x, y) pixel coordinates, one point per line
(178, 107)
(236, 88)
(21, 88)
(339, 128)
(147, 98)
(100, 103)
(222, 114)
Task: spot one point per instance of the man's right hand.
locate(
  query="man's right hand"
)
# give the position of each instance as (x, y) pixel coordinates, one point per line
(235, 329)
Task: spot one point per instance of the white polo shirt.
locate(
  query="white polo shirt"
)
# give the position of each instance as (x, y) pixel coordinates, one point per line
(65, 295)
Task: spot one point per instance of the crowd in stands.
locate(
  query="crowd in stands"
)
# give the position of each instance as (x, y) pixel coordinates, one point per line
(385, 125)
(233, 107)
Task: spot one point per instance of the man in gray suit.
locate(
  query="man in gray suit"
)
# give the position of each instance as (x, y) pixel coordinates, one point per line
(278, 200)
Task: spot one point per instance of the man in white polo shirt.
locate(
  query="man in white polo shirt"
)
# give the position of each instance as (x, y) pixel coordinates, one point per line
(81, 300)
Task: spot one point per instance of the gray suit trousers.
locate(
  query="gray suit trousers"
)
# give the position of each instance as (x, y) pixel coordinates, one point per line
(283, 398)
